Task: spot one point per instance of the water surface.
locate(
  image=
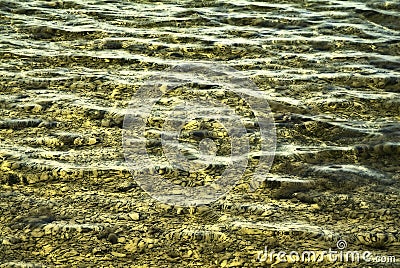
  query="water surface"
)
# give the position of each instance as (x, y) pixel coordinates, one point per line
(69, 68)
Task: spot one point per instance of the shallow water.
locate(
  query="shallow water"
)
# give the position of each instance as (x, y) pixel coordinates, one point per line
(68, 69)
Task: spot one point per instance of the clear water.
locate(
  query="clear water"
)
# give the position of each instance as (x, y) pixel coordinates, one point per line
(331, 70)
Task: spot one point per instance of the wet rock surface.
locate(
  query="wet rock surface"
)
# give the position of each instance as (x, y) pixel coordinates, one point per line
(69, 69)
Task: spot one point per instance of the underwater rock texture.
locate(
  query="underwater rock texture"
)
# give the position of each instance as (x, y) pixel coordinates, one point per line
(68, 70)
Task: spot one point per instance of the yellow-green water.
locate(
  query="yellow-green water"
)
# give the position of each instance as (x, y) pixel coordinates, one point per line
(68, 70)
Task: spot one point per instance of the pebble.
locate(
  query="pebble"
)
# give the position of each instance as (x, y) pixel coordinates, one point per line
(37, 233)
(132, 245)
(117, 254)
(224, 263)
(236, 264)
(92, 141)
(112, 238)
(134, 216)
(46, 249)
